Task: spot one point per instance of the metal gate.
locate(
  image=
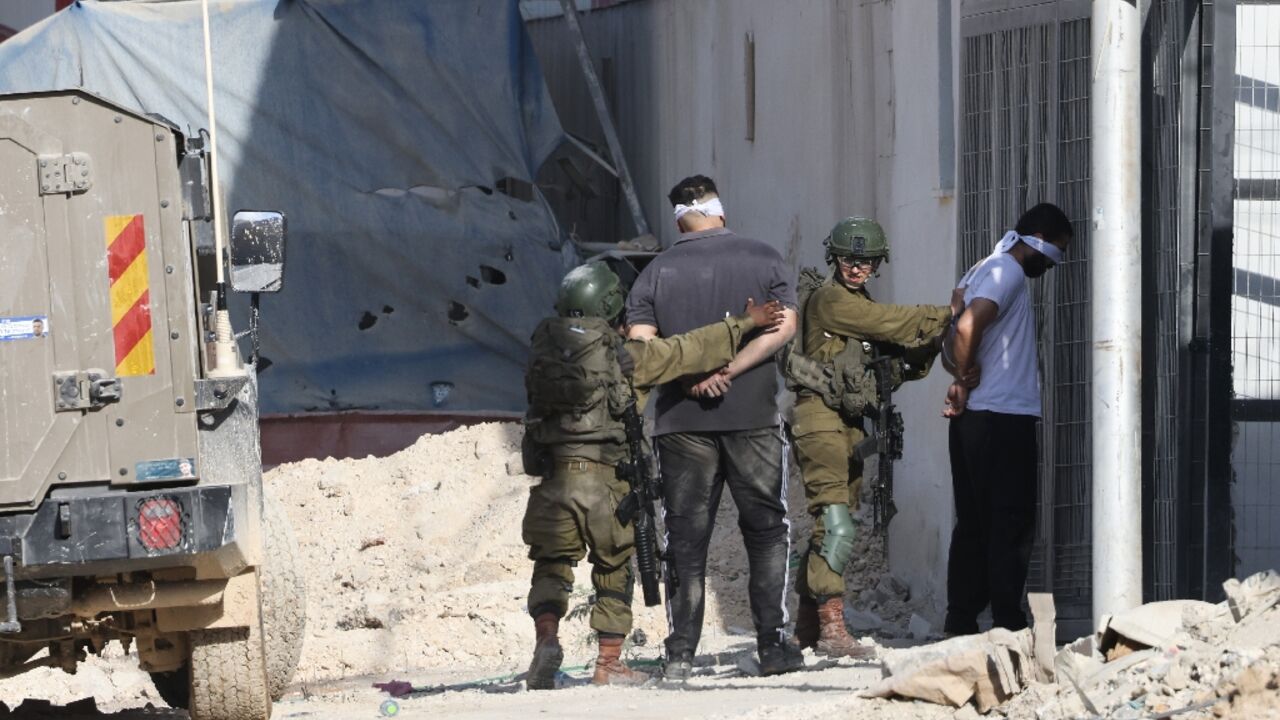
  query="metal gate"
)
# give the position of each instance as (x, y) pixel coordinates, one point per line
(1025, 139)
(1255, 302)
(1025, 121)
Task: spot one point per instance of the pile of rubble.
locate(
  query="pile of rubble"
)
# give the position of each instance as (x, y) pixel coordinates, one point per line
(887, 608)
(1178, 656)
(1182, 658)
(880, 605)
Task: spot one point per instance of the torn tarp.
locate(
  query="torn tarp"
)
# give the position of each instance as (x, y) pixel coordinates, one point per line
(400, 139)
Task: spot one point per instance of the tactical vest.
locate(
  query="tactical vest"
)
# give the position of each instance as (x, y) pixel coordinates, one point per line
(577, 390)
(844, 383)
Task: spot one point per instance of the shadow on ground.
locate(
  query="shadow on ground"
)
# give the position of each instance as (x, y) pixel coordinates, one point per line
(87, 708)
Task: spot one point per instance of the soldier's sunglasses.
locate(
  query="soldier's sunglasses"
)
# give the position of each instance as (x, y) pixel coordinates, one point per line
(860, 263)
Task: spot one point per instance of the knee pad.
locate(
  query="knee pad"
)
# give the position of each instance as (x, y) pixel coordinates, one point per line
(837, 540)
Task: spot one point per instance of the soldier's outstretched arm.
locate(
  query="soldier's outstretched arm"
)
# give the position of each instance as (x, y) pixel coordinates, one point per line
(661, 360)
(854, 315)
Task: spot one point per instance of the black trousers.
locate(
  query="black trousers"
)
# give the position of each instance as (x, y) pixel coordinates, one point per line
(993, 477)
(695, 468)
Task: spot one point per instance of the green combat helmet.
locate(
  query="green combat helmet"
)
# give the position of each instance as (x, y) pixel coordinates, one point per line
(857, 237)
(591, 290)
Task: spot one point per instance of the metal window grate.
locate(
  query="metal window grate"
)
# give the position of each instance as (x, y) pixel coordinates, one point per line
(1025, 139)
(1071, 337)
(1255, 306)
(1162, 354)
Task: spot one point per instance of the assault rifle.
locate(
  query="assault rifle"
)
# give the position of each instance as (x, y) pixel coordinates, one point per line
(885, 442)
(637, 507)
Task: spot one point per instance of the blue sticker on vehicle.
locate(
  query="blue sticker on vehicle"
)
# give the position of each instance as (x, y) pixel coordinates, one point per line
(171, 469)
(29, 327)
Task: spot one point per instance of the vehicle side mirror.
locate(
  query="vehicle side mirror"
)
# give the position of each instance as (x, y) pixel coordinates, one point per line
(257, 251)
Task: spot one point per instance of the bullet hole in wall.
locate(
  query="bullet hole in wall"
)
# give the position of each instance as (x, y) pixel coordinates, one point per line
(492, 275)
(515, 188)
(457, 312)
(367, 320)
(440, 392)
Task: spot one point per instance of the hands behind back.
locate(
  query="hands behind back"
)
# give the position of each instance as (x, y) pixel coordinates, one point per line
(711, 386)
(957, 400)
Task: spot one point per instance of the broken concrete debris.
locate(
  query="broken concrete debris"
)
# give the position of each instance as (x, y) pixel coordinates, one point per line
(919, 628)
(1181, 658)
(862, 621)
(1256, 594)
(982, 669)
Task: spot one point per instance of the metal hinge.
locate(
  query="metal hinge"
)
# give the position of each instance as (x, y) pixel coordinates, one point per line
(70, 173)
(193, 169)
(84, 390)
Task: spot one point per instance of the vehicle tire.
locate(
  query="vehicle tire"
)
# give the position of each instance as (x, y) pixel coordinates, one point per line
(229, 675)
(284, 598)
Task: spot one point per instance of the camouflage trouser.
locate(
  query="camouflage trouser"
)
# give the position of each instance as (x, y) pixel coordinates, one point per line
(569, 514)
(825, 446)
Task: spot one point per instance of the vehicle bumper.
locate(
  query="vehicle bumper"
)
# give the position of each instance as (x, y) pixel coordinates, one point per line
(98, 534)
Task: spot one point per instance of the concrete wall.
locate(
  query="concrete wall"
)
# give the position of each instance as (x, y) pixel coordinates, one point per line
(846, 122)
(17, 15)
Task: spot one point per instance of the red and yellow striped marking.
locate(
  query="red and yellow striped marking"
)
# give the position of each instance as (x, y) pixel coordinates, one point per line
(130, 295)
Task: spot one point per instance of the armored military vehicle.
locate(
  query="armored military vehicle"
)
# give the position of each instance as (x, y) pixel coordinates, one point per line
(131, 500)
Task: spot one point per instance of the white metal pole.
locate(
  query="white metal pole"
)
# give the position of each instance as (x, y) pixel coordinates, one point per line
(215, 197)
(225, 362)
(1116, 303)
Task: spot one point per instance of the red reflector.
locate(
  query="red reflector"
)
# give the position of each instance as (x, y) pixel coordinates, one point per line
(159, 524)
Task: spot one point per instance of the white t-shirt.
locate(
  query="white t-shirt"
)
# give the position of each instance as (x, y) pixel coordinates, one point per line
(1010, 370)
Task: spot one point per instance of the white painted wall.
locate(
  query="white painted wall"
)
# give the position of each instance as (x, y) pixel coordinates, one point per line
(846, 123)
(922, 221)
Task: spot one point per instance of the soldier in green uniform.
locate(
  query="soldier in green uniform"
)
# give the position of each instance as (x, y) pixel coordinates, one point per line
(581, 377)
(841, 327)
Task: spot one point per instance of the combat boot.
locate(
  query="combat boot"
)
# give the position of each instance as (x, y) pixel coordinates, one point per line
(547, 654)
(807, 623)
(834, 639)
(610, 669)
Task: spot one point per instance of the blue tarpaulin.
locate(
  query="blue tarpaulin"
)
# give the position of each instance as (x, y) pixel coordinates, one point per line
(399, 138)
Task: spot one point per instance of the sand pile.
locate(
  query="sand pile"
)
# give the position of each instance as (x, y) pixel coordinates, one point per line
(415, 561)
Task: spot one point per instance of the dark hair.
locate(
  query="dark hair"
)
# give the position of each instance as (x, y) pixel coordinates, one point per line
(1046, 219)
(690, 189)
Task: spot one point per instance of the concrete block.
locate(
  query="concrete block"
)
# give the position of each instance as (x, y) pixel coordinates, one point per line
(1257, 593)
(1156, 624)
(862, 621)
(919, 628)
